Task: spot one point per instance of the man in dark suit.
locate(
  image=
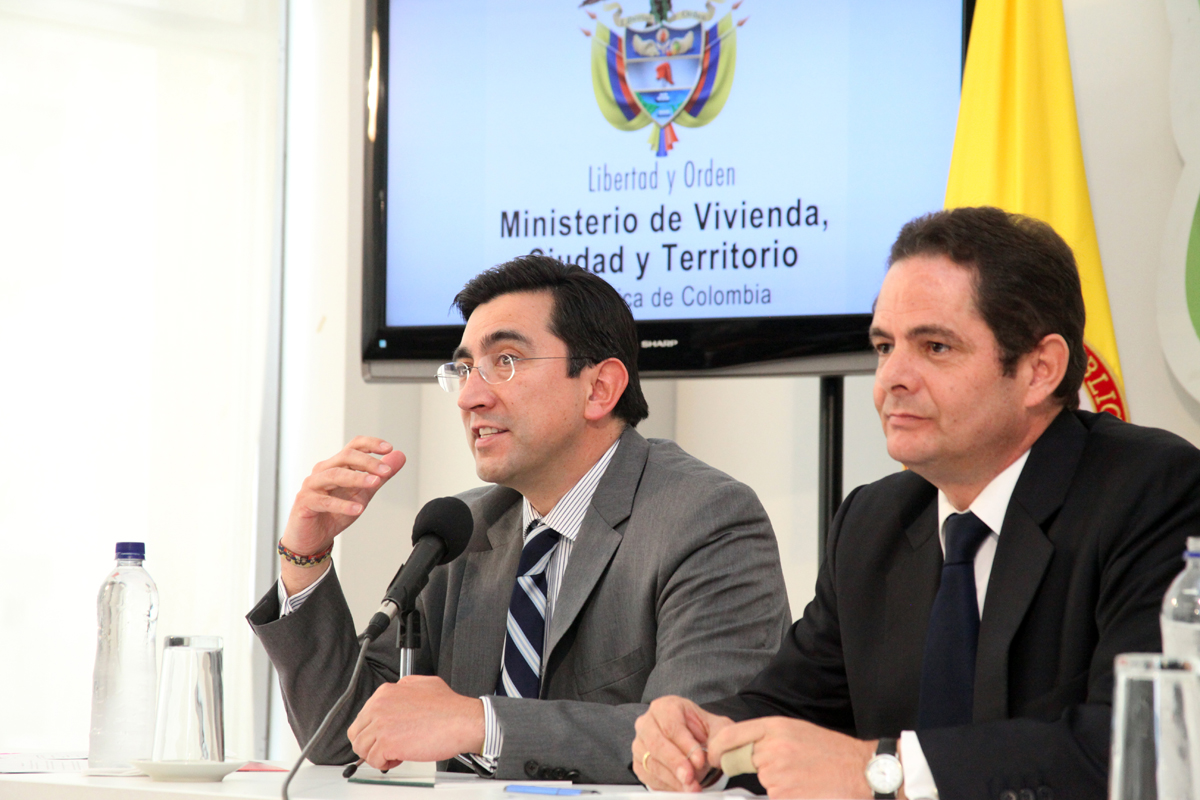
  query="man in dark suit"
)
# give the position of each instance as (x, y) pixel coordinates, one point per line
(604, 569)
(969, 609)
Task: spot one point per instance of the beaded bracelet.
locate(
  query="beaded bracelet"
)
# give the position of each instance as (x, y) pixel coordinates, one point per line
(302, 560)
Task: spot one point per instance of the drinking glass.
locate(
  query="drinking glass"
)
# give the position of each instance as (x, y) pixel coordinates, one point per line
(191, 719)
(1155, 729)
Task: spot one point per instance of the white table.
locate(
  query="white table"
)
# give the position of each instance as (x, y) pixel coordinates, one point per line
(311, 783)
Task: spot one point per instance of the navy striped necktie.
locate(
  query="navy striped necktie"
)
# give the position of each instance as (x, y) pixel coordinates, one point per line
(521, 669)
(948, 671)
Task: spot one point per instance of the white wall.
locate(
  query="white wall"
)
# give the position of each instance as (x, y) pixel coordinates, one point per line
(139, 150)
(1120, 58)
(762, 431)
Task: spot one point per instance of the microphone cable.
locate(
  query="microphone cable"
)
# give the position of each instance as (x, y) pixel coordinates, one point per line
(338, 706)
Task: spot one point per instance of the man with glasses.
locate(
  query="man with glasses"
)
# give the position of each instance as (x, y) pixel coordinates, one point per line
(605, 570)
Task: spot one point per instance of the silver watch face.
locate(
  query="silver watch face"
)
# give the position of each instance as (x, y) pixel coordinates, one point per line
(884, 774)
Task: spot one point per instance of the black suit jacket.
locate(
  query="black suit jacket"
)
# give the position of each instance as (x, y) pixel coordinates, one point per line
(1093, 535)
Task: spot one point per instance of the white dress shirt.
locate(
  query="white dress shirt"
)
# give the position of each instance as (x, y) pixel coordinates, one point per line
(990, 506)
(566, 518)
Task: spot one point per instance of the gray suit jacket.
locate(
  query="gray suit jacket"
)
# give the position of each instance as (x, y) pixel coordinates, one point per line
(673, 587)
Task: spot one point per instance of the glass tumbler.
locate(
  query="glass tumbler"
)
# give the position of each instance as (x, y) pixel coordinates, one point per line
(1155, 729)
(191, 718)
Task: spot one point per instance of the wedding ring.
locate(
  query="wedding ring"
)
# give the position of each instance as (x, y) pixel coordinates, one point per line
(645, 758)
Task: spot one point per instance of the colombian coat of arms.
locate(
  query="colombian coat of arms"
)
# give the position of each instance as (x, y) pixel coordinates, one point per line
(663, 68)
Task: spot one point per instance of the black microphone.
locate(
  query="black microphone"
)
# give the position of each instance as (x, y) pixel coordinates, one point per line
(440, 535)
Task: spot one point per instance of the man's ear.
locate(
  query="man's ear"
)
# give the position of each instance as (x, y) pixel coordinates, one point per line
(608, 381)
(1047, 364)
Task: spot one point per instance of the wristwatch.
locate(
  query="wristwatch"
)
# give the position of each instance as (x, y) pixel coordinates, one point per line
(885, 775)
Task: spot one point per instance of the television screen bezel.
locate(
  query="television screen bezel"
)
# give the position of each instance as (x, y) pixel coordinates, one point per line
(833, 344)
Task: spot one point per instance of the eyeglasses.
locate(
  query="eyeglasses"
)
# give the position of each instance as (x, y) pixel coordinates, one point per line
(493, 369)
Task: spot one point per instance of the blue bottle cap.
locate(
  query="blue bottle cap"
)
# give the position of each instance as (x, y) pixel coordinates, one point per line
(131, 550)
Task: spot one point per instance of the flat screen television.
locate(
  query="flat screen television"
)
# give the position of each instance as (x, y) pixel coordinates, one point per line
(737, 169)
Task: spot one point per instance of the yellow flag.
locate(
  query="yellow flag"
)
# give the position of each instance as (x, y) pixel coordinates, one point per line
(1017, 148)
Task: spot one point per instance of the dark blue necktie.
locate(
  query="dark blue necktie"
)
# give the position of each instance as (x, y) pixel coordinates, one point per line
(521, 669)
(948, 671)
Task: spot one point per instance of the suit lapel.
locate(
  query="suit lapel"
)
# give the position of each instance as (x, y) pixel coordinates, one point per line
(600, 535)
(483, 604)
(1022, 556)
(593, 550)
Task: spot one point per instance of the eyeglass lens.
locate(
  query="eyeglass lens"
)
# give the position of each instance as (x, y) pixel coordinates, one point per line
(492, 368)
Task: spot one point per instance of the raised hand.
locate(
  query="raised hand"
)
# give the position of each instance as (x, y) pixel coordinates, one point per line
(334, 495)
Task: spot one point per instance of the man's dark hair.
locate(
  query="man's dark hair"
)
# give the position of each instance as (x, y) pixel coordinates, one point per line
(1026, 281)
(589, 316)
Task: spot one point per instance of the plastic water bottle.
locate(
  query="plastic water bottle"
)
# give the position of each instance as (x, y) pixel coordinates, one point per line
(1181, 609)
(125, 678)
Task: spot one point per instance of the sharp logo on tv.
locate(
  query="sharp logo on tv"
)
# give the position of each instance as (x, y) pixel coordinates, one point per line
(663, 67)
(651, 343)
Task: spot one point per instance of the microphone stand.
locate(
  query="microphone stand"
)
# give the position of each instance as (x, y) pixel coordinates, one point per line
(408, 639)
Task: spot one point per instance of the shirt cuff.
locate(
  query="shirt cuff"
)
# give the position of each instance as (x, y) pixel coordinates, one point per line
(289, 604)
(484, 764)
(918, 778)
(493, 734)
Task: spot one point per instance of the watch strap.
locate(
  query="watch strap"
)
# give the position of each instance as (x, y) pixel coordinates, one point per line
(886, 747)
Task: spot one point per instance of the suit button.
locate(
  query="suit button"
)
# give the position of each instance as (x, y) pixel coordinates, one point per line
(1027, 794)
(560, 774)
(1045, 793)
(573, 775)
(1008, 794)
(531, 768)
